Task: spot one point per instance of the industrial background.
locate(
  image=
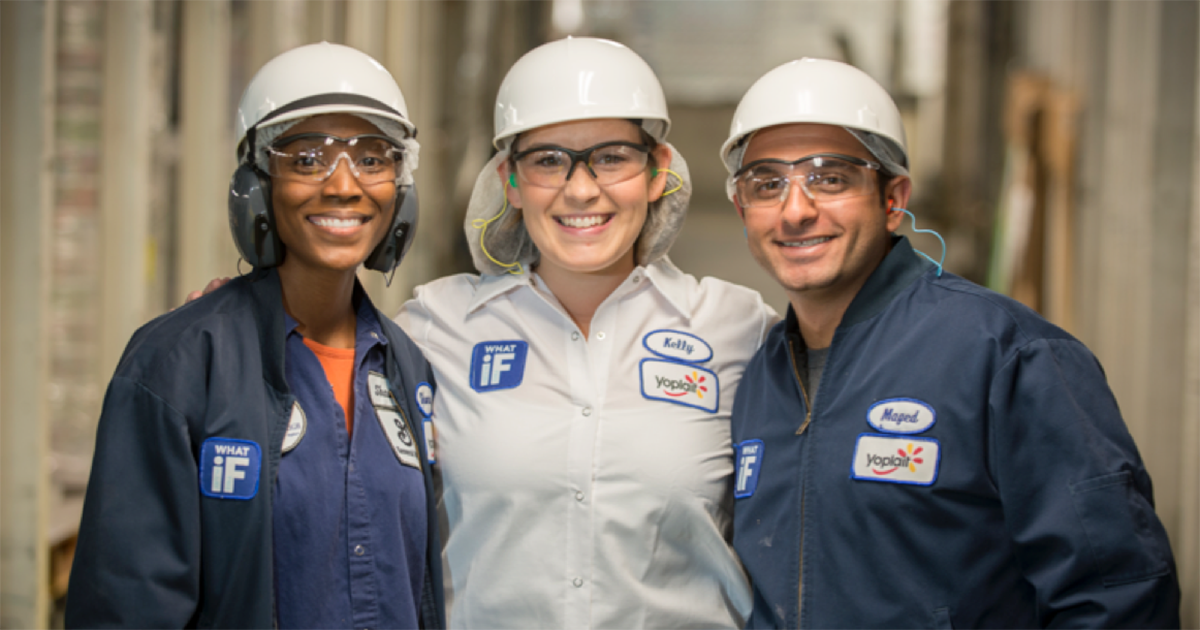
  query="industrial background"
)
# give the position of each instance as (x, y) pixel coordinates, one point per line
(1056, 146)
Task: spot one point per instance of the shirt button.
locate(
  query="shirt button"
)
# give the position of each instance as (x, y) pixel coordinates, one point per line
(600, 335)
(587, 411)
(575, 336)
(577, 582)
(359, 550)
(637, 279)
(579, 495)
(375, 335)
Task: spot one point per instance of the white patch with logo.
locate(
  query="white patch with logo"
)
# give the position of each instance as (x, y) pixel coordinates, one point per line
(296, 428)
(901, 415)
(381, 394)
(680, 383)
(906, 460)
(393, 422)
(400, 435)
(674, 344)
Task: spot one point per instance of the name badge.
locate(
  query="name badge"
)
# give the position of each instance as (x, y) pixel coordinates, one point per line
(904, 460)
(424, 398)
(296, 428)
(229, 468)
(901, 415)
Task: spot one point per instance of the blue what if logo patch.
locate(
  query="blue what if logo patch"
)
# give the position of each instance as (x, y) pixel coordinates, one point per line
(498, 365)
(749, 463)
(229, 468)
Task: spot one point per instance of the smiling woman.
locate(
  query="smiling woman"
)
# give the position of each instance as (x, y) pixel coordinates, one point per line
(260, 460)
(585, 382)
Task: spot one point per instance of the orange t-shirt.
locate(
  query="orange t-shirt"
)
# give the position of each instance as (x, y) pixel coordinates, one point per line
(338, 364)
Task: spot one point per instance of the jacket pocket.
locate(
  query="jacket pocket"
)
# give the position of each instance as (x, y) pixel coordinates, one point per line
(941, 619)
(1125, 537)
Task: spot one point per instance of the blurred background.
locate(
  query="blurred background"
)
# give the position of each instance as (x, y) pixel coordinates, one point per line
(1055, 145)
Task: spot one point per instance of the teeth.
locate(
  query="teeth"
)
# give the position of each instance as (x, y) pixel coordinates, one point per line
(337, 223)
(583, 222)
(808, 243)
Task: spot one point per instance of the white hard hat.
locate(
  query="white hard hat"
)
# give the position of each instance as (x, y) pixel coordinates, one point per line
(579, 78)
(825, 92)
(320, 79)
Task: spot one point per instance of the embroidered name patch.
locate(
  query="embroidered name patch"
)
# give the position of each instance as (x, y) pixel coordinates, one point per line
(901, 415)
(906, 460)
(424, 396)
(296, 428)
(498, 365)
(681, 346)
(680, 383)
(229, 468)
(749, 462)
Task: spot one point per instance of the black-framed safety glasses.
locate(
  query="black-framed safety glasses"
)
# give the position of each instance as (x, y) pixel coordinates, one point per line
(607, 163)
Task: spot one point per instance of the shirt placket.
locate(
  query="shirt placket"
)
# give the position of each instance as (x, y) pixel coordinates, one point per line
(364, 590)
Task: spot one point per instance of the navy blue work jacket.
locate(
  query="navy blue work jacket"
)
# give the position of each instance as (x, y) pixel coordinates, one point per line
(177, 521)
(963, 464)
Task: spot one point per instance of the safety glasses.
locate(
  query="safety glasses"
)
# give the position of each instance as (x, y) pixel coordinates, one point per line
(607, 162)
(825, 177)
(313, 157)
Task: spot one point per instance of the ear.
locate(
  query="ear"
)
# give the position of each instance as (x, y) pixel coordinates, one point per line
(658, 183)
(504, 171)
(896, 195)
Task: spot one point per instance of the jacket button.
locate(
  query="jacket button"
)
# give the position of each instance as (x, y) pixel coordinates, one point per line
(579, 495)
(577, 582)
(359, 550)
(587, 411)
(600, 335)
(575, 336)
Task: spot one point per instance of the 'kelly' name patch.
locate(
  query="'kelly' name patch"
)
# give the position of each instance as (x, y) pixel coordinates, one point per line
(680, 383)
(749, 462)
(901, 415)
(498, 365)
(674, 344)
(907, 460)
(229, 468)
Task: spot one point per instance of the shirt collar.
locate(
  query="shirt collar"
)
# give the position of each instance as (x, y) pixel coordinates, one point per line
(494, 286)
(662, 274)
(899, 269)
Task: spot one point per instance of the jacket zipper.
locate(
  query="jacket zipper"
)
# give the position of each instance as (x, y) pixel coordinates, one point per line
(803, 486)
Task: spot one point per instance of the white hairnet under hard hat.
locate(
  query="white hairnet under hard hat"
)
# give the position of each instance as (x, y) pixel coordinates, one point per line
(577, 78)
(819, 91)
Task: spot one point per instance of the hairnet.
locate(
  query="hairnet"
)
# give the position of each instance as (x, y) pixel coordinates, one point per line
(507, 241)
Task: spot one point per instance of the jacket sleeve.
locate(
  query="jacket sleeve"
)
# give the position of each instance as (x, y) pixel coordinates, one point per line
(137, 563)
(1077, 500)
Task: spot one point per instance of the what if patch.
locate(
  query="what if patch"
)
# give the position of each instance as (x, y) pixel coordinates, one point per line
(680, 383)
(748, 464)
(903, 460)
(229, 468)
(498, 365)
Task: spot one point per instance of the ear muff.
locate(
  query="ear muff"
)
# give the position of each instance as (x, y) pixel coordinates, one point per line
(391, 250)
(512, 180)
(251, 220)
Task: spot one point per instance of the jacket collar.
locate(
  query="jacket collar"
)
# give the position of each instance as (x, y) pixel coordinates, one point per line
(267, 297)
(899, 269)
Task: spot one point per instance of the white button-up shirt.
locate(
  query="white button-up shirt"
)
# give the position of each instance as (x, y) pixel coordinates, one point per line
(587, 482)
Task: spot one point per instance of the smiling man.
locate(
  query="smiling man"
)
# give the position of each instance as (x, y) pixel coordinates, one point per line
(914, 450)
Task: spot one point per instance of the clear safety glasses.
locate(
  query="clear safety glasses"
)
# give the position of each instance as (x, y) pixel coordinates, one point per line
(313, 157)
(607, 162)
(826, 177)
